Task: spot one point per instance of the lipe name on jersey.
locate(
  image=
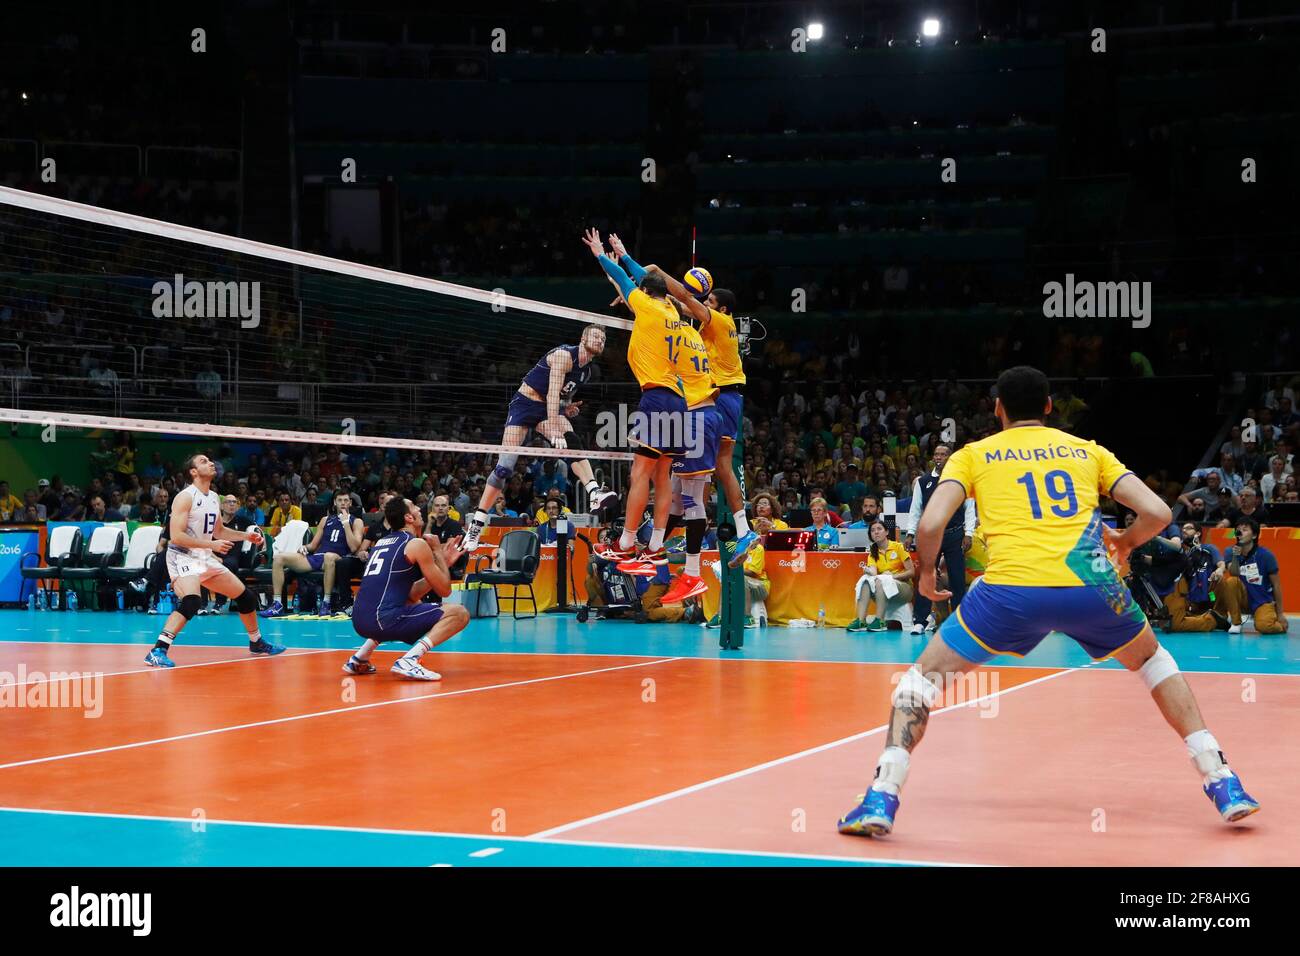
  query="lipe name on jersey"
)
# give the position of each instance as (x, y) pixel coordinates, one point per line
(1035, 454)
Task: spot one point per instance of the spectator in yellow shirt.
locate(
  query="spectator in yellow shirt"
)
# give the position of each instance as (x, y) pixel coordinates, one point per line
(284, 512)
(766, 506)
(10, 504)
(885, 560)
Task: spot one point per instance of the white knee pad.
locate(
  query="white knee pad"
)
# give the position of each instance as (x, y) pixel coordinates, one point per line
(915, 690)
(693, 498)
(1159, 667)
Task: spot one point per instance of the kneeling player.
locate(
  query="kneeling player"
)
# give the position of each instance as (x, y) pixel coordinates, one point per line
(402, 569)
(197, 537)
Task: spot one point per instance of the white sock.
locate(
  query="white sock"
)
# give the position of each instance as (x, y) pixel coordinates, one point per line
(742, 523)
(417, 650)
(1207, 756)
(592, 488)
(627, 540)
(255, 636)
(657, 539)
(367, 649)
(891, 772)
(278, 597)
(693, 565)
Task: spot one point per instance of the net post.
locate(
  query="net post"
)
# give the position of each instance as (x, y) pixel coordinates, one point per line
(562, 605)
(732, 635)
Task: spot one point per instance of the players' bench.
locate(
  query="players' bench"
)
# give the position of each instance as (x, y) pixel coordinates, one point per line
(104, 550)
(63, 550)
(294, 534)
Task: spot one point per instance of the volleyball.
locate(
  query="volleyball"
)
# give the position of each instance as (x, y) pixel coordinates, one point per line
(698, 282)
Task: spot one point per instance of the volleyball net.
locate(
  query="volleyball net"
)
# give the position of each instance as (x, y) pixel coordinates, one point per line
(129, 324)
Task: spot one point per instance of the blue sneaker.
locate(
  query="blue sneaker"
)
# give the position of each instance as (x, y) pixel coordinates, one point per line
(354, 666)
(275, 610)
(157, 657)
(874, 816)
(744, 544)
(262, 647)
(1231, 799)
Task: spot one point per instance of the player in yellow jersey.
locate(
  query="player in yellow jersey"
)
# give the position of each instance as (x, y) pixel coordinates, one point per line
(714, 347)
(657, 425)
(1037, 490)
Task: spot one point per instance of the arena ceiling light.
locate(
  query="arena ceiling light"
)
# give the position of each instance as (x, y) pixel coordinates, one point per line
(930, 27)
(816, 31)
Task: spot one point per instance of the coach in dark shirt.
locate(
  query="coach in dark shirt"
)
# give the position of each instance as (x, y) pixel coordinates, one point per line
(443, 527)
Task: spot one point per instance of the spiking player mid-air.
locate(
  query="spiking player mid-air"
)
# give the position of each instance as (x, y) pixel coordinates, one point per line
(1036, 490)
(544, 401)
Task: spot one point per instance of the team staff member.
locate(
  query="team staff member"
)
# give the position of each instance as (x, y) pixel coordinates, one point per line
(885, 559)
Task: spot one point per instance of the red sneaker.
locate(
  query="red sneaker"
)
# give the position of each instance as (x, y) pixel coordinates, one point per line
(686, 586)
(609, 553)
(644, 569)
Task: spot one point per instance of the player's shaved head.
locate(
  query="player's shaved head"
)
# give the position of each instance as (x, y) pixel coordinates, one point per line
(1023, 392)
(653, 284)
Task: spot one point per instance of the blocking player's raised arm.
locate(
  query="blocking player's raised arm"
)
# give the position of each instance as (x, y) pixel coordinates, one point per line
(616, 274)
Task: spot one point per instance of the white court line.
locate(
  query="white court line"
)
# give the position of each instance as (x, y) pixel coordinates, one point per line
(757, 768)
(325, 713)
(497, 838)
(487, 851)
(291, 652)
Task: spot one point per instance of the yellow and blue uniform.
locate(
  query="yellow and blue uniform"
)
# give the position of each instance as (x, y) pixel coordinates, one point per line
(1037, 491)
(723, 345)
(703, 425)
(652, 354)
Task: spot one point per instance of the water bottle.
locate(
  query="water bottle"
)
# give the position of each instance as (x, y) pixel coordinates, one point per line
(54, 600)
(294, 603)
(821, 615)
(31, 601)
(72, 600)
(40, 599)
(121, 600)
(165, 605)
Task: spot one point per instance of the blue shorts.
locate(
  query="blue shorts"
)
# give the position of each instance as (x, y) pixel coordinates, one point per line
(317, 560)
(1013, 619)
(406, 624)
(659, 422)
(701, 455)
(525, 411)
(730, 408)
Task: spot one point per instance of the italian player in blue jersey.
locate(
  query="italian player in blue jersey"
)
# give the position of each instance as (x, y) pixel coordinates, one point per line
(403, 567)
(1036, 490)
(337, 536)
(545, 401)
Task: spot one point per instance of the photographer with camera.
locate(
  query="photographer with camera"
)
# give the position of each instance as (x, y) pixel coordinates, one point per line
(1191, 603)
(1253, 582)
(1155, 569)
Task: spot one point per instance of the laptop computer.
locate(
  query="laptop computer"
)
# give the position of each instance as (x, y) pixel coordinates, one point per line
(855, 538)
